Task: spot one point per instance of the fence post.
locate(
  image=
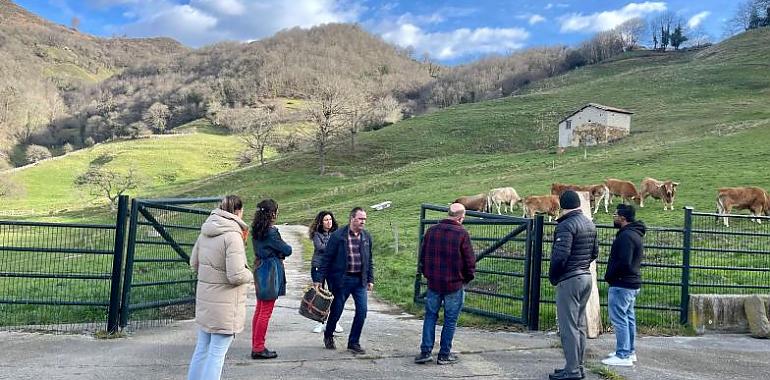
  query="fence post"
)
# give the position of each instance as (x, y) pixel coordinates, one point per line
(117, 264)
(535, 268)
(418, 275)
(686, 248)
(130, 250)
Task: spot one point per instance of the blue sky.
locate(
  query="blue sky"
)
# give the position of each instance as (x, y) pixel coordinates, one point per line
(452, 31)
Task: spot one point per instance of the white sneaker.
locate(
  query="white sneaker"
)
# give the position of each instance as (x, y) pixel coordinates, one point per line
(319, 328)
(614, 360)
(339, 328)
(632, 357)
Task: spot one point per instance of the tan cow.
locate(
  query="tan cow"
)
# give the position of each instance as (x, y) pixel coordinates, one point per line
(624, 189)
(546, 204)
(597, 193)
(476, 202)
(505, 196)
(754, 199)
(663, 190)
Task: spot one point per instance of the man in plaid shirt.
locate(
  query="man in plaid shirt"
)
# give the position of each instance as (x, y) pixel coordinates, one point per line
(448, 262)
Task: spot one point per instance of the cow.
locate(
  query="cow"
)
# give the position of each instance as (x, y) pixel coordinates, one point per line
(663, 190)
(750, 198)
(505, 196)
(476, 202)
(547, 204)
(624, 189)
(597, 193)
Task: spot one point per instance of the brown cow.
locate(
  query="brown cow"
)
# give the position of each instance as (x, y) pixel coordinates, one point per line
(596, 192)
(476, 202)
(663, 190)
(750, 198)
(503, 196)
(624, 189)
(547, 204)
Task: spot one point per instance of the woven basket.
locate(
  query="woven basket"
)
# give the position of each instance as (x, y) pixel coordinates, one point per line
(316, 303)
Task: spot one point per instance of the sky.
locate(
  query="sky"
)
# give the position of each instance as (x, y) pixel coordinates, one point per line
(451, 31)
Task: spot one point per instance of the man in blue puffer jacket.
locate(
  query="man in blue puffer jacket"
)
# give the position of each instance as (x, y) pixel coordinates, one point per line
(575, 246)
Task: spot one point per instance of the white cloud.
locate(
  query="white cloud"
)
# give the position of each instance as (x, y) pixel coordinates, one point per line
(534, 19)
(202, 22)
(696, 20)
(458, 42)
(596, 22)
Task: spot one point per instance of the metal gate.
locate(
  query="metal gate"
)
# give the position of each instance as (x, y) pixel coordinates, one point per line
(158, 283)
(507, 261)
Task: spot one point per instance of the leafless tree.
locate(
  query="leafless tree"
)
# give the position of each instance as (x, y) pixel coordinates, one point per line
(631, 32)
(157, 116)
(329, 111)
(256, 127)
(107, 183)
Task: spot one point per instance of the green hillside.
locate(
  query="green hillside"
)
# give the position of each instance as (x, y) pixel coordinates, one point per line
(164, 165)
(701, 118)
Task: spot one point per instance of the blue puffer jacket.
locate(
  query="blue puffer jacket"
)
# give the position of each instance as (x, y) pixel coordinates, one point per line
(575, 246)
(269, 275)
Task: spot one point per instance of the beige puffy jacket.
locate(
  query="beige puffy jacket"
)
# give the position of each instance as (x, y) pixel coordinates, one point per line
(219, 259)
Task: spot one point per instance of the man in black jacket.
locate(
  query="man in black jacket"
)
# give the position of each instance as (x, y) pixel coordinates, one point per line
(347, 266)
(625, 279)
(575, 246)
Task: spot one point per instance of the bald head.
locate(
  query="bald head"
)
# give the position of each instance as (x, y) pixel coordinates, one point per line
(456, 211)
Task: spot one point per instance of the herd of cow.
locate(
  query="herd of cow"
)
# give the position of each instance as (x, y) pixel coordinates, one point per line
(751, 198)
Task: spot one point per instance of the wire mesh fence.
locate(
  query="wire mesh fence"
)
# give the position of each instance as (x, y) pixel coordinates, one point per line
(159, 286)
(705, 256)
(59, 277)
(502, 275)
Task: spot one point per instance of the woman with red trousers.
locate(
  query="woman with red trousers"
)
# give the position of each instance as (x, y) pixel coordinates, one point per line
(269, 274)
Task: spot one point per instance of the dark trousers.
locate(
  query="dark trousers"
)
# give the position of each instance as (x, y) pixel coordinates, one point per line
(351, 285)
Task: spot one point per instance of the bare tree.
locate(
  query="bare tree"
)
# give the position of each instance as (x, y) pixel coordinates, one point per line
(75, 22)
(631, 32)
(157, 116)
(108, 183)
(432, 67)
(257, 128)
(360, 114)
(329, 111)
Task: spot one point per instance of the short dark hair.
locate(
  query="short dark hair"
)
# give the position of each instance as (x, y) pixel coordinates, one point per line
(355, 211)
(627, 211)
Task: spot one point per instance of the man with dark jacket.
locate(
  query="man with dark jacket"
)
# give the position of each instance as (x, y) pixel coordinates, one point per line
(575, 246)
(448, 262)
(348, 267)
(625, 279)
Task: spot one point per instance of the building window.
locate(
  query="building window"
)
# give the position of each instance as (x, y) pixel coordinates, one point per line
(569, 124)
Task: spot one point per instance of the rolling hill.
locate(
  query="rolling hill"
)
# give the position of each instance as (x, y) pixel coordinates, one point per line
(701, 118)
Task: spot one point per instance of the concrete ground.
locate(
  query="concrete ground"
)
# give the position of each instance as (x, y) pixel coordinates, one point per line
(390, 337)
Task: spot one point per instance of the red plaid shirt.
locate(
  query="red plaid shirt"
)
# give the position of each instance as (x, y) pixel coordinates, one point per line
(447, 257)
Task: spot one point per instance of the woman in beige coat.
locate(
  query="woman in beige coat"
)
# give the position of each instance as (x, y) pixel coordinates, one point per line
(219, 259)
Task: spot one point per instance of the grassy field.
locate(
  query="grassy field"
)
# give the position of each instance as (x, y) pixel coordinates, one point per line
(701, 118)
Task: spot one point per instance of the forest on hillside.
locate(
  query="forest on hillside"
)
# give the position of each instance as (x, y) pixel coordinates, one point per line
(68, 90)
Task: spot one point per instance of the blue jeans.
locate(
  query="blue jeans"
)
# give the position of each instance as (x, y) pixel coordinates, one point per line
(453, 303)
(351, 285)
(209, 356)
(621, 308)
